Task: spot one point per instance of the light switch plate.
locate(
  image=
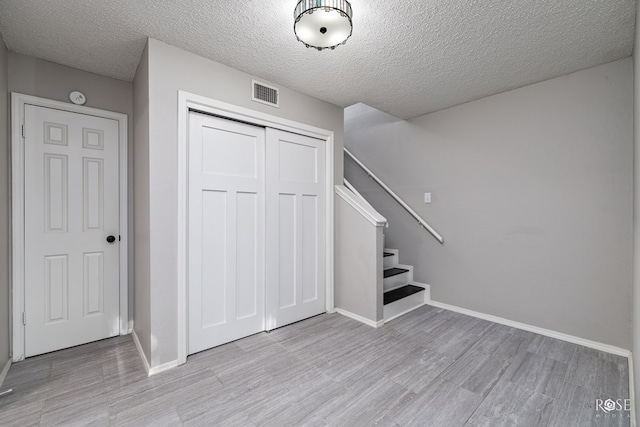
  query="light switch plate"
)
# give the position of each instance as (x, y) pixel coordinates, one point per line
(427, 197)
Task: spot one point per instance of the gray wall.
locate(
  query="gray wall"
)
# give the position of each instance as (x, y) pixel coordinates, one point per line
(5, 301)
(532, 192)
(636, 217)
(172, 69)
(358, 266)
(32, 76)
(142, 309)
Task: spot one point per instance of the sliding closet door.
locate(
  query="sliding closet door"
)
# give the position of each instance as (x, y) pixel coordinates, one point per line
(295, 171)
(226, 231)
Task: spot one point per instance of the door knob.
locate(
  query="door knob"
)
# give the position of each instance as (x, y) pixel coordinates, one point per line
(111, 239)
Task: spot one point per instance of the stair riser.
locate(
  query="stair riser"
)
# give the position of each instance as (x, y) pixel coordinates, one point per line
(404, 305)
(397, 280)
(390, 261)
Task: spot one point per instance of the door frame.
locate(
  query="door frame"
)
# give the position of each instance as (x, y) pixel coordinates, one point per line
(18, 102)
(188, 102)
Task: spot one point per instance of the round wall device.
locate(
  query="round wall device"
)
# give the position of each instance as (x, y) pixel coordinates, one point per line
(77, 97)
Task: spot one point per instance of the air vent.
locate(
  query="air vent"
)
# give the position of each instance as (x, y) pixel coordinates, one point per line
(265, 94)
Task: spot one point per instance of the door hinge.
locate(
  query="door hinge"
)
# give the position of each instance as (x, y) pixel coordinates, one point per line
(24, 132)
(24, 318)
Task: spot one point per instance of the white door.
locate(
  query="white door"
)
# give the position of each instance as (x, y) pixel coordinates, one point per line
(226, 231)
(295, 227)
(71, 207)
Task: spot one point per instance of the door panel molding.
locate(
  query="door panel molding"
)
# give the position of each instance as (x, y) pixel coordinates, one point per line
(18, 103)
(191, 102)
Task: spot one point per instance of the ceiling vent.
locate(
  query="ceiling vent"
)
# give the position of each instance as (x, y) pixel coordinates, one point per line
(265, 94)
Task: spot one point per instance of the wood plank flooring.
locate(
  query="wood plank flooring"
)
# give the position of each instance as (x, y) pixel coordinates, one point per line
(431, 367)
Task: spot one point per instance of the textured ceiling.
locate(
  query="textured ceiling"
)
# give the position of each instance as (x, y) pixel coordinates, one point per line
(405, 57)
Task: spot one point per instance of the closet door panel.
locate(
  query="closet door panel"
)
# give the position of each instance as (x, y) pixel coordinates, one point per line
(295, 227)
(226, 231)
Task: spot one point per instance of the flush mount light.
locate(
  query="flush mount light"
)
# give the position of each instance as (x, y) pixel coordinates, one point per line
(323, 24)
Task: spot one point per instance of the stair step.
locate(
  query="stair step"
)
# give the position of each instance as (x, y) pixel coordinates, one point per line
(394, 271)
(399, 293)
(386, 254)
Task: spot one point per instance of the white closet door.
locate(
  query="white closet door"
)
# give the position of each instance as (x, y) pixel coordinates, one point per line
(71, 207)
(295, 227)
(226, 231)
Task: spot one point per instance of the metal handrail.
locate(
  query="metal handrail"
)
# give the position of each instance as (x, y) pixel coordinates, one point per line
(397, 198)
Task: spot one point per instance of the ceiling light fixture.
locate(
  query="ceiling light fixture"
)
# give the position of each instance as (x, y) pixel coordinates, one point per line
(323, 24)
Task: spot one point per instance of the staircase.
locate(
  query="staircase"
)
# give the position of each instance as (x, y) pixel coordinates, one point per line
(401, 293)
(360, 292)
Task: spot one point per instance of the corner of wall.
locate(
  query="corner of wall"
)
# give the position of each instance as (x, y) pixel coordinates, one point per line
(5, 180)
(636, 219)
(141, 252)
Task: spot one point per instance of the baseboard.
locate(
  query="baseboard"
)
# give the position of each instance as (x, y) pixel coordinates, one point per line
(359, 318)
(164, 367)
(5, 371)
(155, 369)
(136, 341)
(535, 329)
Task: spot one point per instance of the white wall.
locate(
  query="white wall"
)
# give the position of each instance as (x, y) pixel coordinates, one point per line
(170, 70)
(532, 192)
(5, 300)
(142, 309)
(33, 76)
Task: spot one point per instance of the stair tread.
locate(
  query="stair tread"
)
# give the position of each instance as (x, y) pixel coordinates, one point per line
(386, 254)
(399, 293)
(393, 271)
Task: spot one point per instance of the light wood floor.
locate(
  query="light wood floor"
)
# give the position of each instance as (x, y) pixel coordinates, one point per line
(429, 368)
